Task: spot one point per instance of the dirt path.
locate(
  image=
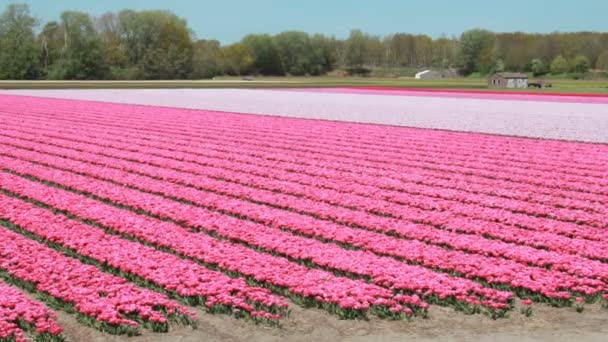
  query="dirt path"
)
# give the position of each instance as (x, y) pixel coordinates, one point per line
(443, 324)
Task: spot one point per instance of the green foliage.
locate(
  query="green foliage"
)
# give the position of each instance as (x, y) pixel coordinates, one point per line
(266, 55)
(18, 55)
(206, 59)
(476, 51)
(237, 59)
(159, 45)
(80, 56)
(157, 42)
(602, 61)
(580, 64)
(538, 67)
(296, 54)
(295, 51)
(498, 66)
(355, 50)
(559, 65)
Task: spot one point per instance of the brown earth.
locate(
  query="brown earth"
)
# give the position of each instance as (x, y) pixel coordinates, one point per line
(443, 324)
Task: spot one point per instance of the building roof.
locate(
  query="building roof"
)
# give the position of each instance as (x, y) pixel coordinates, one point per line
(511, 75)
(423, 72)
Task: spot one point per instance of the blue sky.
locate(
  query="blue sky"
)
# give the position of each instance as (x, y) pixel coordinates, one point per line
(229, 20)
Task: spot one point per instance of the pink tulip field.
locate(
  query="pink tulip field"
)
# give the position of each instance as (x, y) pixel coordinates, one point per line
(132, 217)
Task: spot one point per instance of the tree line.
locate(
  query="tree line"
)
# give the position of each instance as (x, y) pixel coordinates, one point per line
(160, 45)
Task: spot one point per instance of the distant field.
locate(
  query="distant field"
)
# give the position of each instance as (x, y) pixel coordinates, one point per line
(569, 86)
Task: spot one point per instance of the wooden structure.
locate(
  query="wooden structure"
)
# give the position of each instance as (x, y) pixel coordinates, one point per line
(508, 80)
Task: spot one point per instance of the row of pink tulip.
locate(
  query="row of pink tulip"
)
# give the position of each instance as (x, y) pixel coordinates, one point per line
(299, 128)
(429, 163)
(409, 230)
(382, 202)
(370, 145)
(351, 296)
(283, 141)
(111, 301)
(19, 314)
(136, 126)
(212, 289)
(495, 270)
(381, 158)
(471, 243)
(413, 177)
(383, 271)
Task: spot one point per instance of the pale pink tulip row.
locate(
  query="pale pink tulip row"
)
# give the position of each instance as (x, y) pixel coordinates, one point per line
(92, 293)
(493, 269)
(594, 249)
(16, 308)
(183, 277)
(318, 285)
(383, 271)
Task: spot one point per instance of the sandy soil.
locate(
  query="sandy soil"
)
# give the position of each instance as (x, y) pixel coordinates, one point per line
(443, 324)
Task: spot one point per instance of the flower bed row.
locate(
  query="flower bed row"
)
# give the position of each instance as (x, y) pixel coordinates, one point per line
(383, 271)
(568, 209)
(355, 164)
(20, 315)
(216, 291)
(384, 159)
(345, 297)
(495, 270)
(361, 160)
(300, 128)
(473, 243)
(412, 182)
(384, 207)
(445, 219)
(103, 301)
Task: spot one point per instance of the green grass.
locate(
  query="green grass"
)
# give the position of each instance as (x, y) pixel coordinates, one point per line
(559, 85)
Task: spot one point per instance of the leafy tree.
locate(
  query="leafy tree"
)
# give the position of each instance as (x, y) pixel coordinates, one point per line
(476, 51)
(50, 41)
(158, 43)
(237, 59)
(602, 61)
(114, 48)
(538, 67)
(355, 50)
(18, 53)
(81, 55)
(559, 65)
(580, 64)
(325, 52)
(266, 57)
(297, 54)
(206, 60)
(498, 66)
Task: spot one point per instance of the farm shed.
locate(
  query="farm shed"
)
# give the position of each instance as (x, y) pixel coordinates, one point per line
(429, 75)
(508, 80)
